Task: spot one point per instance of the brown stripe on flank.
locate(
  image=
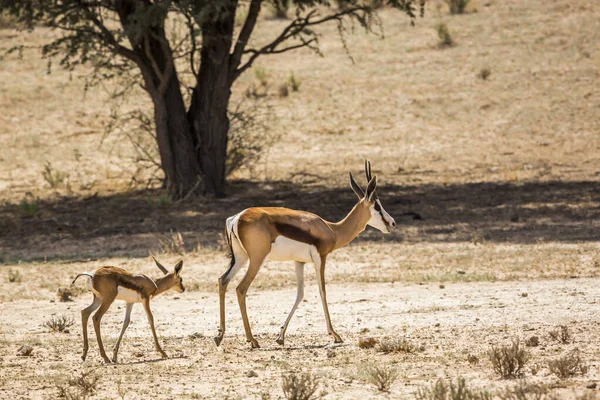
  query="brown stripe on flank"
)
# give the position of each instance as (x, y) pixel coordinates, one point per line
(295, 233)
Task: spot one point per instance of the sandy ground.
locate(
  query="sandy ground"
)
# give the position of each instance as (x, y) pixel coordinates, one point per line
(449, 323)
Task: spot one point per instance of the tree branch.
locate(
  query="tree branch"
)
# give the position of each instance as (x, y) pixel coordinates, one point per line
(243, 38)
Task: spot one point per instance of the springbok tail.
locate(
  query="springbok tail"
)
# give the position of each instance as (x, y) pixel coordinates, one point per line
(82, 274)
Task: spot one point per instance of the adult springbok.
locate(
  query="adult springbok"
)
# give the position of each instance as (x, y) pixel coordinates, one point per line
(112, 283)
(282, 234)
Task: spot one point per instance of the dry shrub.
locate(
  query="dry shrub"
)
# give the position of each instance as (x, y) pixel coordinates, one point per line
(533, 341)
(444, 35)
(301, 386)
(524, 390)
(457, 6)
(508, 361)
(14, 276)
(442, 390)
(367, 342)
(398, 345)
(568, 365)
(65, 294)
(484, 74)
(60, 323)
(8, 21)
(172, 243)
(562, 334)
(382, 376)
(78, 387)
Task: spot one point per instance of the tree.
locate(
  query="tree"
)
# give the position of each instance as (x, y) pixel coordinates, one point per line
(121, 37)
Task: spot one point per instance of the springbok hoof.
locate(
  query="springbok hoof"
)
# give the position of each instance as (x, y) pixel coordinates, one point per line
(280, 340)
(218, 340)
(254, 344)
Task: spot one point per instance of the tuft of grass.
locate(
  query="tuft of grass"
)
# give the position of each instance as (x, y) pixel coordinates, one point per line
(484, 74)
(280, 8)
(398, 345)
(294, 83)
(444, 35)
(508, 361)
(382, 376)
(568, 365)
(302, 386)
(59, 323)
(261, 76)
(172, 243)
(457, 6)
(53, 177)
(28, 207)
(562, 334)
(442, 390)
(14, 276)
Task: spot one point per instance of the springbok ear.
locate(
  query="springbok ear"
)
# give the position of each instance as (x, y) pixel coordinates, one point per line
(370, 194)
(356, 188)
(178, 267)
(368, 170)
(160, 266)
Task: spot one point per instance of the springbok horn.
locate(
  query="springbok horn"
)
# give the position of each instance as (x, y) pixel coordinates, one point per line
(160, 266)
(356, 188)
(368, 170)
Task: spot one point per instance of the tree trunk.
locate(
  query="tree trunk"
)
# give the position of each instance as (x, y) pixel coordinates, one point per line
(210, 100)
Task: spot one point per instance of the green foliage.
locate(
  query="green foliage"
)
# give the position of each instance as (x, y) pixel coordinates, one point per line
(457, 6)
(28, 207)
(444, 35)
(442, 390)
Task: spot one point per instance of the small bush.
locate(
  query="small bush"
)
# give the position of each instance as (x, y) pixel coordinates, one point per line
(484, 74)
(444, 35)
(457, 6)
(65, 295)
(59, 324)
(399, 345)
(383, 377)
(14, 276)
(562, 334)
(442, 390)
(172, 243)
(301, 386)
(524, 391)
(28, 207)
(283, 90)
(79, 387)
(533, 341)
(367, 342)
(508, 361)
(568, 365)
(281, 8)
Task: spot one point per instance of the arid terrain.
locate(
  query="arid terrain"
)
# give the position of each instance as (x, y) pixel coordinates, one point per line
(504, 173)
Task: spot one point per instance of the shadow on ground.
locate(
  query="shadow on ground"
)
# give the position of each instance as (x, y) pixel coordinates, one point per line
(131, 224)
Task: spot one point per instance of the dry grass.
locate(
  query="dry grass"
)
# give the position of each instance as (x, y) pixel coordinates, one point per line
(380, 375)
(442, 390)
(397, 345)
(60, 323)
(562, 334)
(300, 386)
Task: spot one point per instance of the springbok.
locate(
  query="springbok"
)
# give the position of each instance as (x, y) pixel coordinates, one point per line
(108, 284)
(282, 234)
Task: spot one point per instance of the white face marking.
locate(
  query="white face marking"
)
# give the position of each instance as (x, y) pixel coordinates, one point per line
(128, 295)
(286, 249)
(377, 221)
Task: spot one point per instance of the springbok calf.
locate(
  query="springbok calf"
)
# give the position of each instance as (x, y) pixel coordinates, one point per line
(282, 234)
(112, 283)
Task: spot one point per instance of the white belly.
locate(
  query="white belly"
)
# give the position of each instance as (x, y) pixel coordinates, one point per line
(286, 249)
(128, 295)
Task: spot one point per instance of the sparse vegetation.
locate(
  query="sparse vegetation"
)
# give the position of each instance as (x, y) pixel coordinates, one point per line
(78, 387)
(380, 375)
(562, 334)
(508, 361)
(171, 243)
(524, 390)
(294, 83)
(14, 276)
(457, 6)
(300, 386)
(367, 342)
(283, 90)
(28, 207)
(397, 345)
(484, 74)
(60, 323)
(65, 294)
(444, 35)
(568, 365)
(281, 8)
(442, 390)
(52, 176)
